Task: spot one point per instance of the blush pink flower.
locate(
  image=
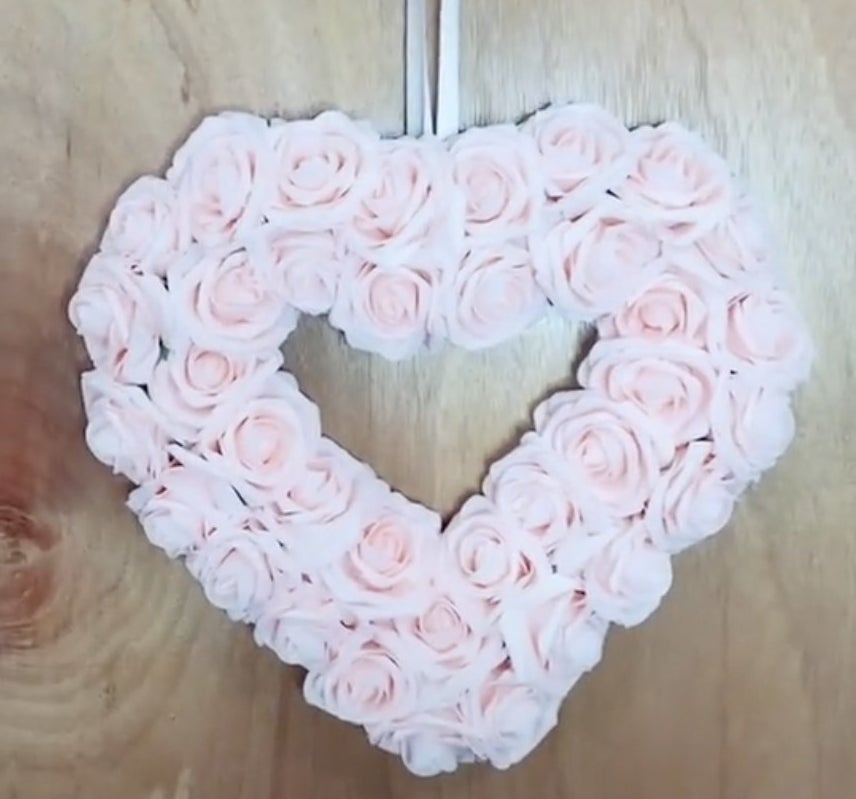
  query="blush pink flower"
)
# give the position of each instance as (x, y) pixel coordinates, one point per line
(753, 424)
(765, 334)
(410, 212)
(190, 383)
(590, 266)
(304, 267)
(145, 226)
(226, 301)
(384, 573)
(616, 449)
(238, 570)
(364, 683)
(496, 168)
(487, 556)
(671, 382)
(584, 152)
(390, 311)
(627, 580)
(222, 177)
(124, 430)
(678, 182)
(262, 446)
(120, 312)
(492, 298)
(181, 507)
(693, 500)
(323, 168)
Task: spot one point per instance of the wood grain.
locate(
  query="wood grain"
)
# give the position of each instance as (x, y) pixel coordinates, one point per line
(116, 678)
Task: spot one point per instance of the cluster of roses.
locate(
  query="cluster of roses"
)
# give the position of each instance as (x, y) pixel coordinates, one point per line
(459, 644)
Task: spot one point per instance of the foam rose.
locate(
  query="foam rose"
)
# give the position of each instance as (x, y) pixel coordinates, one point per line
(765, 334)
(302, 624)
(304, 267)
(385, 572)
(507, 717)
(492, 298)
(222, 177)
(119, 312)
(627, 580)
(753, 424)
(262, 446)
(238, 569)
(323, 167)
(671, 382)
(589, 266)
(364, 683)
(678, 182)
(552, 635)
(191, 383)
(496, 168)
(527, 486)
(124, 430)
(409, 211)
(145, 226)
(449, 642)
(672, 307)
(487, 556)
(693, 500)
(617, 450)
(228, 302)
(386, 310)
(180, 508)
(739, 245)
(584, 152)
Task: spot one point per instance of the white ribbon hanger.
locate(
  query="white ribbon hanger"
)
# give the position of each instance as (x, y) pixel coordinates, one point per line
(419, 116)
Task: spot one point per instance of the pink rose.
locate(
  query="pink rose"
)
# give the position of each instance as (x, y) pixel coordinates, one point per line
(302, 624)
(429, 742)
(616, 449)
(323, 167)
(238, 570)
(119, 312)
(262, 446)
(384, 573)
(493, 297)
(585, 152)
(222, 177)
(487, 554)
(693, 500)
(527, 486)
(765, 334)
(673, 307)
(123, 429)
(507, 717)
(551, 634)
(671, 382)
(364, 683)
(191, 383)
(740, 244)
(450, 642)
(227, 302)
(182, 506)
(145, 227)
(627, 580)
(678, 182)
(410, 209)
(389, 311)
(304, 267)
(589, 267)
(497, 170)
(753, 425)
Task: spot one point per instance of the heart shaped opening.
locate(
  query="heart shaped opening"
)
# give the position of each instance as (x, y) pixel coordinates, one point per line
(431, 425)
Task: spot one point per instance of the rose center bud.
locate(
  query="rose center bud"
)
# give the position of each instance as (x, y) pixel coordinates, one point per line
(312, 172)
(208, 371)
(262, 443)
(383, 549)
(441, 627)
